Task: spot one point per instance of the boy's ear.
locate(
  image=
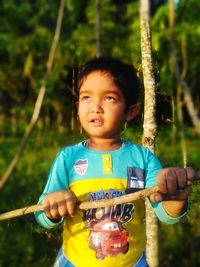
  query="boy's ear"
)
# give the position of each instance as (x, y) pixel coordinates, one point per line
(132, 112)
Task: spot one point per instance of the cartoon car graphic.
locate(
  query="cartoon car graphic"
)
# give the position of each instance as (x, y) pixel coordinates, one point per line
(108, 238)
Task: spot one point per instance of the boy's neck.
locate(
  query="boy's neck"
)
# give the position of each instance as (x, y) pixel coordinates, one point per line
(104, 144)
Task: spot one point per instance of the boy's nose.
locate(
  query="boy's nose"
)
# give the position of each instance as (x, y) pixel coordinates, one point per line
(96, 108)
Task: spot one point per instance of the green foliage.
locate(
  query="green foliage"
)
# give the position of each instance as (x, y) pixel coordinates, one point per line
(186, 24)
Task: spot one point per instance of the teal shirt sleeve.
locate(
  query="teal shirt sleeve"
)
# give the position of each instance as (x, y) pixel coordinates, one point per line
(57, 180)
(45, 222)
(152, 169)
(164, 217)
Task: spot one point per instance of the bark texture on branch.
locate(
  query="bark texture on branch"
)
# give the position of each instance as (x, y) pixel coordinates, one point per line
(149, 124)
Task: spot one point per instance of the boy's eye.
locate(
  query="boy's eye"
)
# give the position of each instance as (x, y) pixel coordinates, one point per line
(110, 99)
(85, 98)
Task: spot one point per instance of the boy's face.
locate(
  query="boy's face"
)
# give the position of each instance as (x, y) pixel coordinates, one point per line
(101, 106)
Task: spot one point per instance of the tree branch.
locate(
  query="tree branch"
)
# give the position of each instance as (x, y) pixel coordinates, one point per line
(149, 124)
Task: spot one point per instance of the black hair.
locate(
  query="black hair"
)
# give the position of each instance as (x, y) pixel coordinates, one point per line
(124, 76)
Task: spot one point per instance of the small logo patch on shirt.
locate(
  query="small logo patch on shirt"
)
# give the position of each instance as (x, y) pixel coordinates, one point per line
(80, 166)
(135, 180)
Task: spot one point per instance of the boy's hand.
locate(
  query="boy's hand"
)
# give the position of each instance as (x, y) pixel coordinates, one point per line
(59, 204)
(174, 184)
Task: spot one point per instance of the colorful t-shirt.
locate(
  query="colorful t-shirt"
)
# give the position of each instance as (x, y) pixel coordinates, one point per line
(110, 236)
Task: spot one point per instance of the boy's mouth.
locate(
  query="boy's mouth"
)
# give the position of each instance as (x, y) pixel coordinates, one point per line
(96, 121)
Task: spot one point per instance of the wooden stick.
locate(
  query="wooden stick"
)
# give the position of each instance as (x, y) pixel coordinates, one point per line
(19, 212)
(86, 205)
(92, 204)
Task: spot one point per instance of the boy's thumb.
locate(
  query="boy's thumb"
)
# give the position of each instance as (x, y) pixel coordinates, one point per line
(157, 197)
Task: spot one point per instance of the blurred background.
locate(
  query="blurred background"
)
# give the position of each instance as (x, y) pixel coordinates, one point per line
(91, 28)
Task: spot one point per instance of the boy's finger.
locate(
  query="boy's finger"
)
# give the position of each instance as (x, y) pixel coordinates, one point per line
(157, 197)
(71, 203)
(54, 210)
(181, 176)
(184, 194)
(161, 181)
(62, 208)
(71, 208)
(51, 209)
(171, 181)
(47, 208)
(190, 175)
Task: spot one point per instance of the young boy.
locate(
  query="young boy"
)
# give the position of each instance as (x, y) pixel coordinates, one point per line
(105, 166)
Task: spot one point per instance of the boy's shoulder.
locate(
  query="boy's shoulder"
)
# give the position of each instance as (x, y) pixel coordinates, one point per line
(135, 146)
(138, 150)
(72, 147)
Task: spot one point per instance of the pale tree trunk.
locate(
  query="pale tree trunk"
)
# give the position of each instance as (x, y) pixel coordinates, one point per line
(184, 72)
(179, 93)
(180, 79)
(149, 125)
(39, 100)
(181, 125)
(98, 28)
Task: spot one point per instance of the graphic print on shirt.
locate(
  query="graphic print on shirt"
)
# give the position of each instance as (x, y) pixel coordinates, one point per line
(108, 235)
(80, 166)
